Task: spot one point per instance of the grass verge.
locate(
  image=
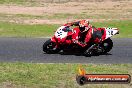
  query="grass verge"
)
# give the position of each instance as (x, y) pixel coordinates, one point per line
(24, 30)
(33, 75)
(8, 29)
(19, 2)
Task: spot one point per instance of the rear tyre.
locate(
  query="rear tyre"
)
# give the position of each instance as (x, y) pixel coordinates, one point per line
(107, 45)
(50, 47)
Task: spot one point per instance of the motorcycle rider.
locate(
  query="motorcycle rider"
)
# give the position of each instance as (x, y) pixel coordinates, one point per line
(84, 32)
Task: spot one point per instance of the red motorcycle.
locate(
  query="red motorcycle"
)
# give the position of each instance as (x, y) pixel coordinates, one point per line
(63, 33)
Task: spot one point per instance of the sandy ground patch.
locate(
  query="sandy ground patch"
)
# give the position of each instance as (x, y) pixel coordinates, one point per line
(59, 21)
(71, 7)
(117, 10)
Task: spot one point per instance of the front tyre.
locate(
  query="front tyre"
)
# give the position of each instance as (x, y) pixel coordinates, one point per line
(107, 45)
(50, 47)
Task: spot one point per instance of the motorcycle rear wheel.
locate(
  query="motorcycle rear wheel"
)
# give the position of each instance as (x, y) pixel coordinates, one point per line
(107, 45)
(49, 47)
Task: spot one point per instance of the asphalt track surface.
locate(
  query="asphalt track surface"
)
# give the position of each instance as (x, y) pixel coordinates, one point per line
(30, 50)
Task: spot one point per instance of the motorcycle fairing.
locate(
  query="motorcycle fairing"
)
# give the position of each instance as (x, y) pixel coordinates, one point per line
(60, 33)
(110, 32)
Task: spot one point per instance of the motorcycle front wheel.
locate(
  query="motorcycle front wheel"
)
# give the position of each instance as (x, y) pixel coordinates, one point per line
(50, 47)
(107, 45)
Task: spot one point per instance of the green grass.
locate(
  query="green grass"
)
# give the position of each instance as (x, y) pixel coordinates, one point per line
(23, 30)
(33, 75)
(25, 2)
(19, 2)
(43, 30)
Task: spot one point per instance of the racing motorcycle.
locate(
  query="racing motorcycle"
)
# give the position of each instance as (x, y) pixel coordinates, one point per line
(57, 42)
